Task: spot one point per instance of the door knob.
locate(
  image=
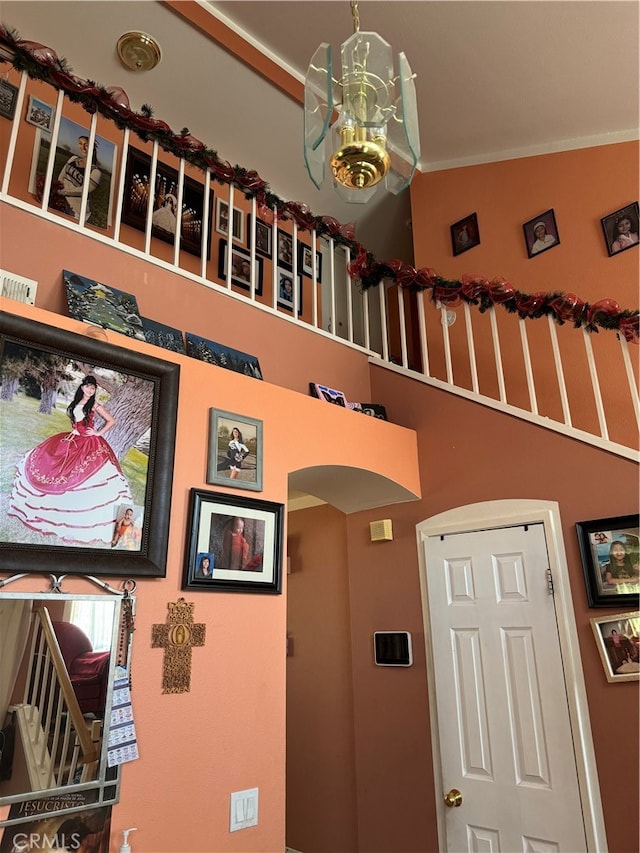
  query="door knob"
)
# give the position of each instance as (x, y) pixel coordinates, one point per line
(453, 799)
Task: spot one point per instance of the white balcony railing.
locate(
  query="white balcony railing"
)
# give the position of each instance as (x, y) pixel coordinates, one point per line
(563, 378)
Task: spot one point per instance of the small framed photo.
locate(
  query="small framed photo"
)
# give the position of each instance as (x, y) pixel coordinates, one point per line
(621, 229)
(285, 248)
(40, 113)
(329, 395)
(263, 237)
(242, 538)
(305, 261)
(285, 289)
(609, 548)
(235, 450)
(222, 220)
(618, 640)
(8, 99)
(465, 234)
(541, 233)
(240, 267)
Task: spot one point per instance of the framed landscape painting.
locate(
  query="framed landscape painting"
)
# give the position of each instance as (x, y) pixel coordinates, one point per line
(88, 432)
(222, 356)
(96, 303)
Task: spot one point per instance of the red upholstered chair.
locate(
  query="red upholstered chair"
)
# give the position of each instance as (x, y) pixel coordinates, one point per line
(88, 670)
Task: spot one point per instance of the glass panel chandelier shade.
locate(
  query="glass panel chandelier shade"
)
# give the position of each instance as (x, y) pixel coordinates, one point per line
(318, 107)
(374, 139)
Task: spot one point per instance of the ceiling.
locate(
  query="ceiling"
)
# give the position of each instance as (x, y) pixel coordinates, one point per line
(496, 79)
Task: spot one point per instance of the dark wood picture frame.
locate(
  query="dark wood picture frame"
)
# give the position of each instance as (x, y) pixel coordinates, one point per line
(617, 240)
(8, 99)
(264, 237)
(32, 551)
(258, 547)
(240, 258)
(465, 234)
(546, 238)
(596, 541)
(135, 203)
(285, 249)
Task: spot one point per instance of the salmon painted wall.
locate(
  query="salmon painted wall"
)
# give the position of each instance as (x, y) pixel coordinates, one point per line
(321, 780)
(581, 187)
(469, 453)
(228, 732)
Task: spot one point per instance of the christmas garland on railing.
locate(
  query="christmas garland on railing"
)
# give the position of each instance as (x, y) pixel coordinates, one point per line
(42, 63)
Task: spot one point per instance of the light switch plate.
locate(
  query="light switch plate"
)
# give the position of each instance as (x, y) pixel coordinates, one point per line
(244, 809)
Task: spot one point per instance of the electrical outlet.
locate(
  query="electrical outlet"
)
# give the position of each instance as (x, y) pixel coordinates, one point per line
(244, 809)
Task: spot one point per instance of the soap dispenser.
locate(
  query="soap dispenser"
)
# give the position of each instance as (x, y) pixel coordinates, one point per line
(126, 847)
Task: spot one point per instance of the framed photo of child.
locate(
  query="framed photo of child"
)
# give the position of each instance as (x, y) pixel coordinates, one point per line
(465, 234)
(610, 548)
(621, 229)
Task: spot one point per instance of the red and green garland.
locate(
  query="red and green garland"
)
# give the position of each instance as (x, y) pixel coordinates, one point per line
(42, 63)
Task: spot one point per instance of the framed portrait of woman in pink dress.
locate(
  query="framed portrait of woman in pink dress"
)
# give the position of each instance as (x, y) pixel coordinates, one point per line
(86, 453)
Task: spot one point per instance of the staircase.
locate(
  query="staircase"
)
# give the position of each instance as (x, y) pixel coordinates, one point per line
(60, 746)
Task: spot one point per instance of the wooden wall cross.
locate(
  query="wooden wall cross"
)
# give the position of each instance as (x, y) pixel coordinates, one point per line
(177, 637)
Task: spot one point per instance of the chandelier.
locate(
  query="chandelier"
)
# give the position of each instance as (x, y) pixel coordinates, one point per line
(374, 137)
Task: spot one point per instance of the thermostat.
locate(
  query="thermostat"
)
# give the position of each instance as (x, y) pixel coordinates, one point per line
(392, 648)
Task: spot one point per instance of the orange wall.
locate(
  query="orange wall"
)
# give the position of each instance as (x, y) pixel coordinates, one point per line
(321, 781)
(581, 186)
(469, 454)
(231, 725)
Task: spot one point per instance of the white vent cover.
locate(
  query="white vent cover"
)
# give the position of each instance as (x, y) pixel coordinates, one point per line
(18, 287)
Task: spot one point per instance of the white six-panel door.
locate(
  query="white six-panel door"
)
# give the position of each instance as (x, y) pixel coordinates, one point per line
(504, 733)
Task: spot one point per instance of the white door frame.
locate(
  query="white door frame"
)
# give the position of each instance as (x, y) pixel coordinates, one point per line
(495, 514)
